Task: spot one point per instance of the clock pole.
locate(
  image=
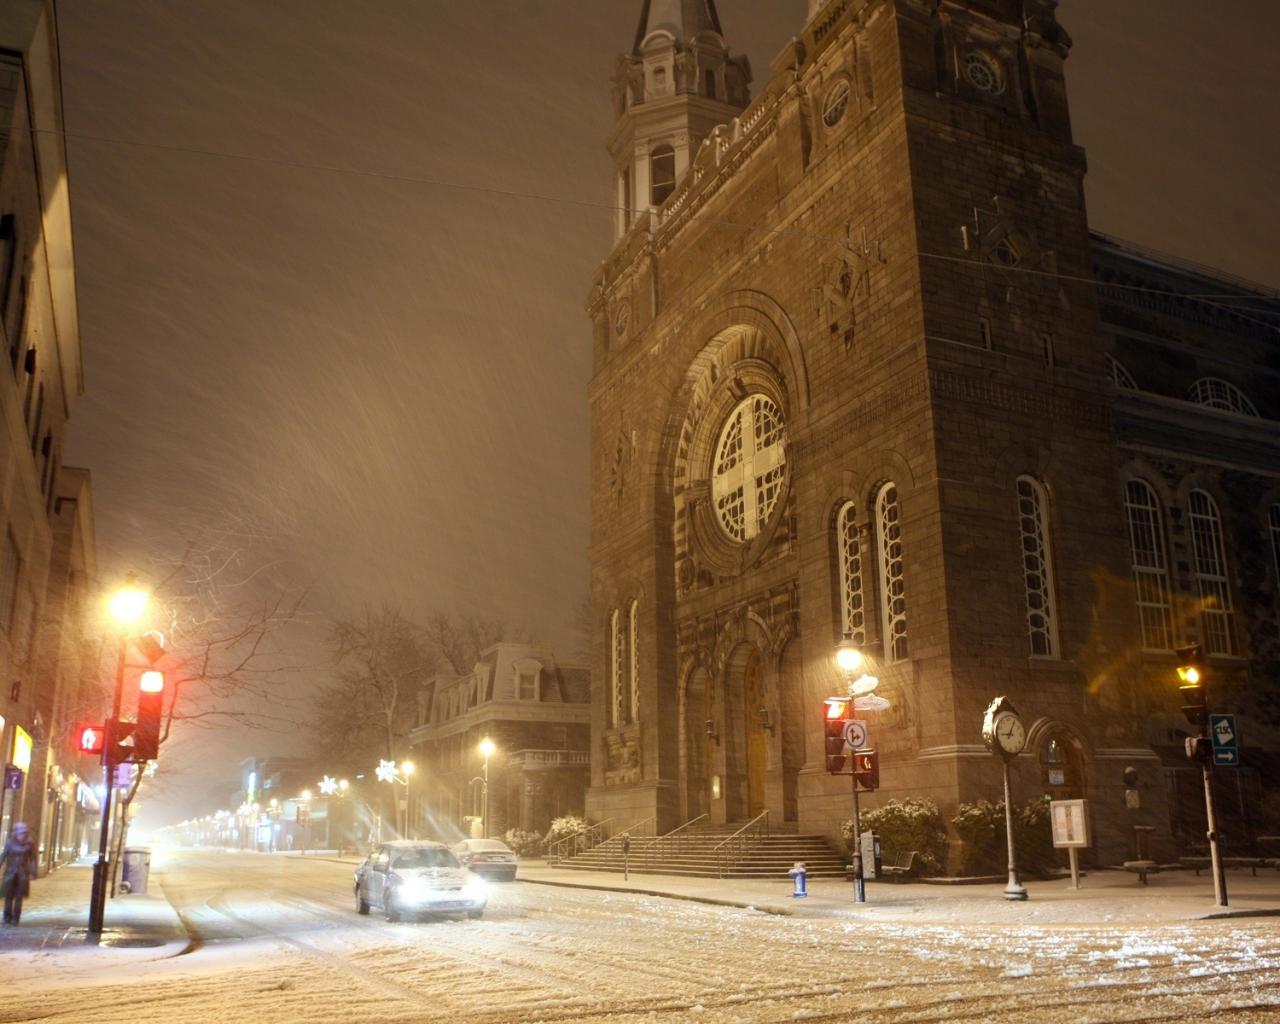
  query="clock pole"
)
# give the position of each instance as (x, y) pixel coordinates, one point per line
(1015, 889)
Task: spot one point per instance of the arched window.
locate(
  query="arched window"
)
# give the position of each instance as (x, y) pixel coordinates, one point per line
(1150, 566)
(1037, 568)
(1121, 377)
(849, 566)
(1217, 619)
(633, 632)
(662, 174)
(749, 468)
(893, 597)
(1221, 394)
(618, 649)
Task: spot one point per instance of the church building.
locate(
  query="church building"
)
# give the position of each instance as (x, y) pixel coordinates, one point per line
(862, 371)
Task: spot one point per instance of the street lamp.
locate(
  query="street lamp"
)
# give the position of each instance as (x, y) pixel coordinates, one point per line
(406, 770)
(389, 771)
(127, 605)
(486, 748)
(850, 660)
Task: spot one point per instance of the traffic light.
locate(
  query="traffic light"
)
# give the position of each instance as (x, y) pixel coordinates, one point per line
(866, 769)
(89, 738)
(118, 744)
(146, 735)
(1199, 748)
(836, 712)
(1191, 685)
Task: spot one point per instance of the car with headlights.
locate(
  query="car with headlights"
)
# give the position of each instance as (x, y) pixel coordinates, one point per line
(411, 878)
(491, 858)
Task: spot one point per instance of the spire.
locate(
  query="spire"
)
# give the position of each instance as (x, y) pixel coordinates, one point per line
(684, 19)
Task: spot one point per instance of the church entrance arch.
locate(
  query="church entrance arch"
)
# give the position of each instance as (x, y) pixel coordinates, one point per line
(698, 714)
(745, 741)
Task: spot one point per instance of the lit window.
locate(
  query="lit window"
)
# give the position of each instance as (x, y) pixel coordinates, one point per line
(893, 597)
(633, 633)
(849, 556)
(662, 174)
(1037, 568)
(1120, 377)
(749, 467)
(1219, 394)
(1216, 616)
(1150, 566)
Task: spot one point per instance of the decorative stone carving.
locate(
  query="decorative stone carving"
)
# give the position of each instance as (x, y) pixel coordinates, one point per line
(845, 292)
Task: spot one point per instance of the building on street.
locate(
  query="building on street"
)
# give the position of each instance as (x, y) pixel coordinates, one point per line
(536, 712)
(862, 370)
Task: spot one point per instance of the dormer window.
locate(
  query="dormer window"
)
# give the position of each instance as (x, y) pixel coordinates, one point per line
(528, 679)
(662, 174)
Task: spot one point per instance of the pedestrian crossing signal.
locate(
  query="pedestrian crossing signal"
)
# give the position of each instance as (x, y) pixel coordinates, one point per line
(866, 769)
(89, 739)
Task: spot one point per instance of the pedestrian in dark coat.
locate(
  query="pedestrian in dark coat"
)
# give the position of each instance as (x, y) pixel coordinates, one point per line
(19, 863)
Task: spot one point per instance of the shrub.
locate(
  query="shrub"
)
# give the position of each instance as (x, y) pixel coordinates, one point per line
(569, 825)
(524, 844)
(980, 827)
(906, 825)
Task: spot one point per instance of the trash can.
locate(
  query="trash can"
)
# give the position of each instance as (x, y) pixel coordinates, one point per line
(135, 869)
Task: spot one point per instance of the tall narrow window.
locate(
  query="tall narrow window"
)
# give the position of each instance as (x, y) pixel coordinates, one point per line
(1150, 566)
(8, 257)
(662, 174)
(617, 647)
(633, 662)
(627, 201)
(709, 78)
(849, 556)
(1217, 619)
(9, 573)
(1037, 568)
(1273, 522)
(893, 597)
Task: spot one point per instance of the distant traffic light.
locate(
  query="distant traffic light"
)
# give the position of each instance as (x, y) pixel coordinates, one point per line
(146, 735)
(89, 738)
(836, 712)
(1191, 685)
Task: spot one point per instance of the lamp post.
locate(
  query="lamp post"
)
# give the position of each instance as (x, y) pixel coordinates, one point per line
(486, 749)
(851, 661)
(127, 606)
(406, 771)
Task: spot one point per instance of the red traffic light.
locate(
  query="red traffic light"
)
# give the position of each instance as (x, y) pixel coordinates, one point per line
(89, 738)
(838, 707)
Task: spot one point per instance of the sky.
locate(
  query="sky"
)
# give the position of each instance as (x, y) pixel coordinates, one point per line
(332, 260)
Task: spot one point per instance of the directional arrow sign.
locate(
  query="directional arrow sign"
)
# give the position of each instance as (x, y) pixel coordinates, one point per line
(855, 734)
(1226, 740)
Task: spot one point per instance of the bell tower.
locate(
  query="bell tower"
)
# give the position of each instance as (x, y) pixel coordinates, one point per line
(675, 86)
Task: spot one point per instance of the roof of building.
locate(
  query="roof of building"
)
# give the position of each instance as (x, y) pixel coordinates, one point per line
(684, 19)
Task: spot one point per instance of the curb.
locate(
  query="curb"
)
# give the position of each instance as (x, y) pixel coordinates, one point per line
(709, 900)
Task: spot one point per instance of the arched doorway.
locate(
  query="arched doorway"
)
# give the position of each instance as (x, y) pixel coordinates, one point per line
(1061, 766)
(746, 747)
(698, 709)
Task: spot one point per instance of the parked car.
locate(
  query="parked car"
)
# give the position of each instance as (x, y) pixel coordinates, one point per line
(410, 878)
(489, 857)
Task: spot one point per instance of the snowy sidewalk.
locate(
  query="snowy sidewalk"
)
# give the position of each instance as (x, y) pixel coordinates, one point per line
(1104, 897)
(56, 916)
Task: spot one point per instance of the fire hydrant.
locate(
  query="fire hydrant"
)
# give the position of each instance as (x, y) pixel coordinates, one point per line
(799, 875)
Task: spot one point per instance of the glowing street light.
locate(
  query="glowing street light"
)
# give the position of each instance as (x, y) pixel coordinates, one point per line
(328, 785)
(487, 748)
(128, 604)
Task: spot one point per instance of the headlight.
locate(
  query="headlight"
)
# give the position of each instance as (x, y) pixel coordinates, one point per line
(414, 890)
(476, 888)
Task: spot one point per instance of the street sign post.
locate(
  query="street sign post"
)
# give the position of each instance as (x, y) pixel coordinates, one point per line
(1226, 740)
(855, 735)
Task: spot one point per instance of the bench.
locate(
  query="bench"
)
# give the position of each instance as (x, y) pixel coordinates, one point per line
(899, 865)
(1141, 868)
(1198, 864)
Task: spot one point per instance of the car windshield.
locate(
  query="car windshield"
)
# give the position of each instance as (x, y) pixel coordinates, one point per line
(427, 858)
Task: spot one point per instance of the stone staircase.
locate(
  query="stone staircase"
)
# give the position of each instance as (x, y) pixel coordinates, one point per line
(693, 852)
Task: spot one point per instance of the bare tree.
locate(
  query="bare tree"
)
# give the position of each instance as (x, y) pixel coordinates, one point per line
(460, 640)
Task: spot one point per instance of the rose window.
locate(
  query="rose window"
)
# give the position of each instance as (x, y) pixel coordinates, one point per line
(749, 468)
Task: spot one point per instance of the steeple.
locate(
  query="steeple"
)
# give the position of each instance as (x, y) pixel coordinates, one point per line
(683, 19)
(677, 84)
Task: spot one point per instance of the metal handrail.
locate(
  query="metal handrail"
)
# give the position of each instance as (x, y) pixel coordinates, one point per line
(578, 839)
(661, 846)
(617, 836)
(742, 840)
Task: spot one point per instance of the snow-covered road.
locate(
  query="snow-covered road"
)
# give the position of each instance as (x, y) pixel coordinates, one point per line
(278, 939)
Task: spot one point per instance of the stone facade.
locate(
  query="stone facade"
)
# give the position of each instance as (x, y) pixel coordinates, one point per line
(886, 254)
